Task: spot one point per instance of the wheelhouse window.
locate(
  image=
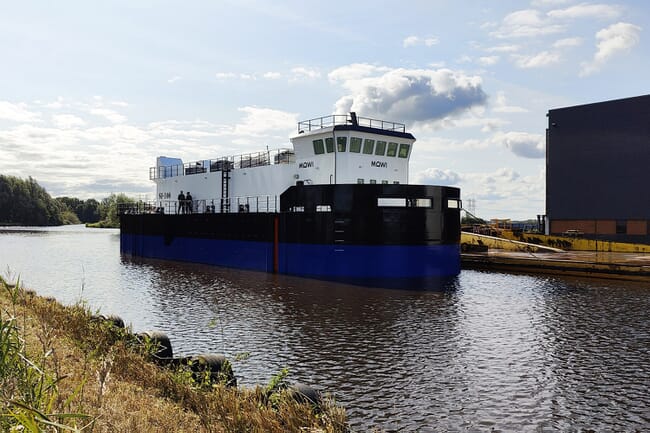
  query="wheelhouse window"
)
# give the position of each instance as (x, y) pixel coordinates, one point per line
(404, 150)
(453, 203)
(380, 149)
(341, 144)
(392, 149)
(373, 180)
(368, 146)
(323, 208)
(355, 144)
(329, 144)
(319, 147)
(391, 202)
(359, 180)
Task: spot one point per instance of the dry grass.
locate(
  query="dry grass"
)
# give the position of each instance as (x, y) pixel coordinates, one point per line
(96, 371)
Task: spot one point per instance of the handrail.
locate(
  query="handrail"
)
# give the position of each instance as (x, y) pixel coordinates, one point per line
(241, 204)
(244, 160)
(348, 119)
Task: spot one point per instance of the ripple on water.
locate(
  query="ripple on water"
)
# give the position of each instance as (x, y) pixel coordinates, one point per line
(490, 352)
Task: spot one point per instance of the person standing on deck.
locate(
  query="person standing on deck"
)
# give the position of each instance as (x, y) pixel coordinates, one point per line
(189, 206)
(181, 203)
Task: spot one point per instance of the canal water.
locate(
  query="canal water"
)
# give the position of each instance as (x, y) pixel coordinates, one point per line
(489, 351)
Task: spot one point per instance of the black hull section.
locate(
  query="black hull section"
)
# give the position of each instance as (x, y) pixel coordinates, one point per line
(385, 235)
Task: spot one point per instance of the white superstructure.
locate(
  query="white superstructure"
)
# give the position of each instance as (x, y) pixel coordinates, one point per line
(337, 149)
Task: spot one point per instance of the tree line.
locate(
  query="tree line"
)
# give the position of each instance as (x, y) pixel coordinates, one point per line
(25, 202)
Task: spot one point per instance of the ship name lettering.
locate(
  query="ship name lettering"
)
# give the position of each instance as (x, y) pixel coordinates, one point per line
(306, 164)
(164, 195)
(380, 164)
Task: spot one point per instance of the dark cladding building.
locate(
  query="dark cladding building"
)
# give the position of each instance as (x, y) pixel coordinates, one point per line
(598, 169)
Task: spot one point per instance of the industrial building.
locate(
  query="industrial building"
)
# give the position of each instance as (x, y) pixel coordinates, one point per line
(598, 170)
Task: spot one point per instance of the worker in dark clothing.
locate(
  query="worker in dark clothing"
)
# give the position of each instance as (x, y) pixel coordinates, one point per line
(189, 205)
(181, 203)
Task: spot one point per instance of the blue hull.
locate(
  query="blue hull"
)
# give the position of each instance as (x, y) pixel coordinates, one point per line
(375, 265)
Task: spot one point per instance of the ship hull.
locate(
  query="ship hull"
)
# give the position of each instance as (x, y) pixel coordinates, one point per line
(355, 241)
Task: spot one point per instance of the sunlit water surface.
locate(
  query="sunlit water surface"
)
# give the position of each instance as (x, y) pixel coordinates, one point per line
(489, 351)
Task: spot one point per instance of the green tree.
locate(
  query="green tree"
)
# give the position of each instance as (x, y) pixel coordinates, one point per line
(26, 202)
(109, 210)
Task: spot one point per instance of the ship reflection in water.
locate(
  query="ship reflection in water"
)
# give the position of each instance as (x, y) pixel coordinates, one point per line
(487, 351)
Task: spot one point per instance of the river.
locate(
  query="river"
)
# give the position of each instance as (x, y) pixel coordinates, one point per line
(489, 351)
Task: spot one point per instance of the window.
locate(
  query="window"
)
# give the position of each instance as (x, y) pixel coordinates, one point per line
(380, 149)
(355, 144)
(391, 202)
(396, 182)
(453, 203)
(392, 149)
(323, 208)
(385, 182)
(341, 143)
(368, 146)
(329, 144)
(419, 202)
(373, 181)
(297, 209)
(319, 148)
(404, 150)
(359, 180)
(621, 227)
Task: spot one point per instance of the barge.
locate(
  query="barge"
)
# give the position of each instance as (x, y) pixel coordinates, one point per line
(335, 206)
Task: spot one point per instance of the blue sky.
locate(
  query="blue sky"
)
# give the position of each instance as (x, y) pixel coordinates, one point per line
(91, 93)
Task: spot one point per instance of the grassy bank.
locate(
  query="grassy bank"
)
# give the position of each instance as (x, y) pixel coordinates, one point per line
(63, 370)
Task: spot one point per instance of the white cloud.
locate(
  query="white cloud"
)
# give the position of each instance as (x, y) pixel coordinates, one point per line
(567, 43)
(488, 60)
(17, 112)
(410, 41)
(225, 75)
(523, 144)
(410, 95)
(501, 105)
(503, 49)
(272, 75)
(110, 115)
(613, 40)
(436, 176)
(429, 42)
(587, 10)
(526, 24)
(67, 121)
(260, 122)
(549, 3)
(539, 60)
(302, 73)
(174, 79)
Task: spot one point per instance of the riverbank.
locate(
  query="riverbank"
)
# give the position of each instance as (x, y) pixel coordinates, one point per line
(59, 366)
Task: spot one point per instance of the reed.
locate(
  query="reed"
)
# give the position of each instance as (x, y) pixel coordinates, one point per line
(61, 370)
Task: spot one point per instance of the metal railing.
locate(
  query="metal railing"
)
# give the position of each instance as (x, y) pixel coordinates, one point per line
(245, 160)
(348, 119)
(243, 204)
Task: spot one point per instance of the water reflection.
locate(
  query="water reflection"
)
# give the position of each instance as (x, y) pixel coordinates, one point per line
(490, 351)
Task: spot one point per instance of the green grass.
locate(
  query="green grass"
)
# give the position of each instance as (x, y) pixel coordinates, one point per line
(63, 370)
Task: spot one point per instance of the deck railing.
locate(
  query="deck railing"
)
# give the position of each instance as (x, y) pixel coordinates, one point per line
(348, 119)
(245, 160)
(243, 204)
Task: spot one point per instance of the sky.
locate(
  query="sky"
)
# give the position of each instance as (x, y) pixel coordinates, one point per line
(92, 92)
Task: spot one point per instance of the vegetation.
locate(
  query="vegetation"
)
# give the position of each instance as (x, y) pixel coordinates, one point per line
(25, 202)
(108, 210)
(63, 370)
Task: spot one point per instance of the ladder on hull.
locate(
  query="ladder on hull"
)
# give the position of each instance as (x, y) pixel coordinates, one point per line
(225, 185)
